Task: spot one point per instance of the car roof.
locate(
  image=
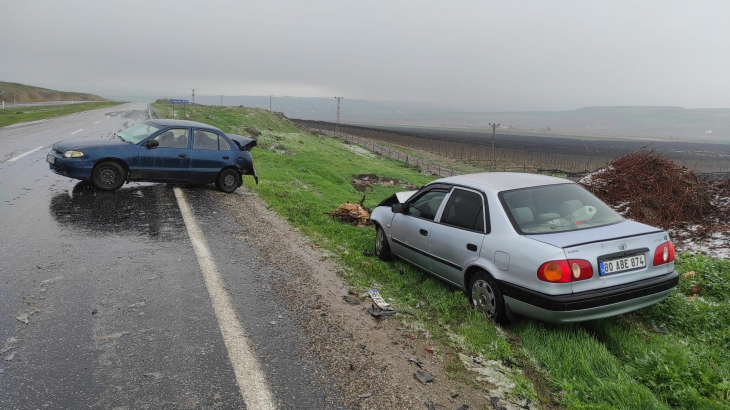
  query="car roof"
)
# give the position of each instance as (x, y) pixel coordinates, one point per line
(182, 123)
(503, 181)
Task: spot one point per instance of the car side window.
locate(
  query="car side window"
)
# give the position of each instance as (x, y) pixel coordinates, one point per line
(173, 138)
(205, 140)
(464, 210)
(426, 205)
(223, 145)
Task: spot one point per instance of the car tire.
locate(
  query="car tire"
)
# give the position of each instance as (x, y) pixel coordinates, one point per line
(487, 298)
(108, 176)
(382, 247)
(228, 180)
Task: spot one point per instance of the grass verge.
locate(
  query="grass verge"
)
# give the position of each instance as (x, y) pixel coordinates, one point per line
(15, 115)
(672, 355)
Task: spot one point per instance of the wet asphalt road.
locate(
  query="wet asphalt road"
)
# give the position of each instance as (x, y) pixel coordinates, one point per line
(118, 315)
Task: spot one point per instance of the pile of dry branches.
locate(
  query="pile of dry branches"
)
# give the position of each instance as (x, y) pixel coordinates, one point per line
(355, 214)
(649, 188)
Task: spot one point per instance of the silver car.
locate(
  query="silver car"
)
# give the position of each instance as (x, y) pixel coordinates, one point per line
(528, 244)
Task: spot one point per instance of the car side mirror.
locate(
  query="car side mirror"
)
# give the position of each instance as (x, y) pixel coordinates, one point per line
(396, 208)
(152, 143)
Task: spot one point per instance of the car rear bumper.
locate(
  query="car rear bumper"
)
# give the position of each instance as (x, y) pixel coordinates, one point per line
(589, 305)
(72, 168)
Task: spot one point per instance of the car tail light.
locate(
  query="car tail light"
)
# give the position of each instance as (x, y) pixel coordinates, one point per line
(571, 270)
(664, 253)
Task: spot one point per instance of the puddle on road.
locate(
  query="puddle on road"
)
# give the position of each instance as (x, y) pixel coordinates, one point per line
(149, 210)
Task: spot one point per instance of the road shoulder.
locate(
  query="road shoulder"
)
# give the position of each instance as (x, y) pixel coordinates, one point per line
(364, 356)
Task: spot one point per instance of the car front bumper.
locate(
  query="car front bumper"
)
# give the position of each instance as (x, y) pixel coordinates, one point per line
(70, 167)
(589, 305)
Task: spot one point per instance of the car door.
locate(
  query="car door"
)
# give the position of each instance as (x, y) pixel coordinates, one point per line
(411, 228)
(456, 239)
(211, 153)
(170, 160)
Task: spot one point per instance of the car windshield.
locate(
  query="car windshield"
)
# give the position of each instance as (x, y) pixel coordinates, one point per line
(556, 208)
(137, 133)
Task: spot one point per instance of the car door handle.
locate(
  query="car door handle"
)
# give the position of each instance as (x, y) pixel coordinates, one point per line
(181, 155)
(471, 247)
(424, 232)
(226, 157)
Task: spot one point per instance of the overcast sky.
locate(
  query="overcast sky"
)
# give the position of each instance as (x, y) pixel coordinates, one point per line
(480, 55)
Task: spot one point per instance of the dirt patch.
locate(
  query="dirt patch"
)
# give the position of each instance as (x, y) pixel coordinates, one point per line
(362, 354)
(363, 182)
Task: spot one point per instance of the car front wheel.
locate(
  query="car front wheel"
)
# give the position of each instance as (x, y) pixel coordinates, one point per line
(486, 297)
(108, 176)
(228, 180)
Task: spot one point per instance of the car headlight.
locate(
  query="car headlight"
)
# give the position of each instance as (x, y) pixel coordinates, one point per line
(73, 154)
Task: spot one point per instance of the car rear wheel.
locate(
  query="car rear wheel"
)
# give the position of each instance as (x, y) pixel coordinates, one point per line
(486, 297)
(108, 176)
(228, 180)
(382, 247)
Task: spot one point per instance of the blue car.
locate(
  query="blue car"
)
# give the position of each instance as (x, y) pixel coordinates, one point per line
(157, 151)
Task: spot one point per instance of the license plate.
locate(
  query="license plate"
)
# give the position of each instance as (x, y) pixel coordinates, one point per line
(51, 159)
(623, 264)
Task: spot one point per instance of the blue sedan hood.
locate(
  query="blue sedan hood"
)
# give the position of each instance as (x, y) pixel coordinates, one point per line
(571, 238)
(81, 144)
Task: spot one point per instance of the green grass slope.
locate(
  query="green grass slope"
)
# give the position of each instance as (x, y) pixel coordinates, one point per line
(10, 116)
(675, 354)
(27, 93)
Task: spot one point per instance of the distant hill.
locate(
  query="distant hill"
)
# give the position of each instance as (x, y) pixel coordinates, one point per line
(27, 93)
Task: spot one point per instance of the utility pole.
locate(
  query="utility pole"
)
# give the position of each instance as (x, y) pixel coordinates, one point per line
(337, 124)
(221, 100)
(494, 132)
(270, 103)
(193, 95)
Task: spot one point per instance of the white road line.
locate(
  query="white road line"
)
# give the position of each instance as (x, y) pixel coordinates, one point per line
(77, 131)
(97, 122)
(22, 155)
(250, 378)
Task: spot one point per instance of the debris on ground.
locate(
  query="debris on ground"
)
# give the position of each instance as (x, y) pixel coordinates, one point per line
(367, 253)
(155, 376)
(363, 182)
(422, 376)
(430, 350)
(113, 336)
(430, 406)
(354, 214)
(416, 362)
(50, 281)
(380, 307)
(495, 403)
(351, 300)
(24, 318)
(364, 395)
(10, 357)
(648, 188)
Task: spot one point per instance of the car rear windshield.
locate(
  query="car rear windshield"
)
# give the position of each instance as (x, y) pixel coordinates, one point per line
(137, 133)
(556, 208)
